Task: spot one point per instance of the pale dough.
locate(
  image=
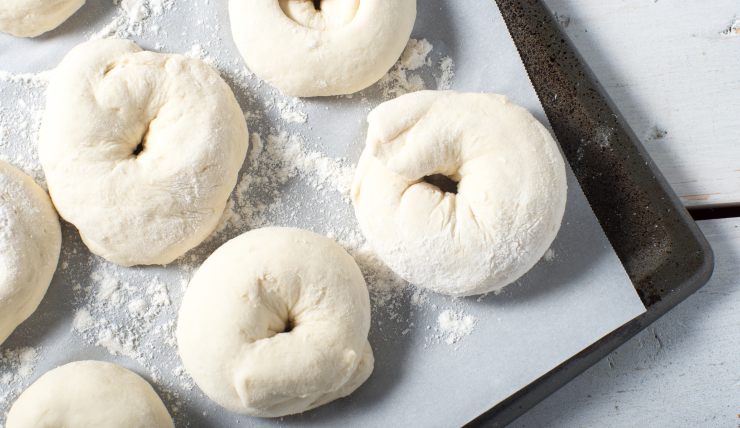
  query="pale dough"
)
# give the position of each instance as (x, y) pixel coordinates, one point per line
(275, 322)
(31, 18)
(30, 241)
(510, 199)
(344, 47)
(89, 394)
(141, 150)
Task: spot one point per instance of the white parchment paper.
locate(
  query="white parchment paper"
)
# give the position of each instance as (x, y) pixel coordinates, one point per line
(573, 297)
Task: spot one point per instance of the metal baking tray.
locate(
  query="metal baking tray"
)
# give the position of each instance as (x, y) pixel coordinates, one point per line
(660, 246)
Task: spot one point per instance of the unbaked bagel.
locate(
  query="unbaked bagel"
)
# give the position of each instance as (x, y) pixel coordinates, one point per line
(504, 214)
(89, 394)
(342, 47)
(31, 18)
(30, 240)
(275, 322)
(140, 150)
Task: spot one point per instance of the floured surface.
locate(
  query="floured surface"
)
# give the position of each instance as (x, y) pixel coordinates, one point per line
(439, 361)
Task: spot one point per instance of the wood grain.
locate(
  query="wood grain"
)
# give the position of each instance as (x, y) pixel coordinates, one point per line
(673, 70)
(684, 371)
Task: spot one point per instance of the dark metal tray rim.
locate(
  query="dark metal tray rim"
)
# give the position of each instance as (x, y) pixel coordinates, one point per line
(539, 39)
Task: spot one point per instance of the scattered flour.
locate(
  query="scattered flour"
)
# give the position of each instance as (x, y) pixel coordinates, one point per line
(132, 17)
(21, 109)
(603, 137)
(404, 77)
(416, 54)
(83, 321)
(290, 111)
(199, 52)
(136, 10)
(549, 255)
(273, 162)
(453, 326)
(16, 368)
(126, 312)
(288, 179)
(444, 81)
(27, 80)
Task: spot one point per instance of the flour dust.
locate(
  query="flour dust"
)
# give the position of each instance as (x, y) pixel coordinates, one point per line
(298, 172)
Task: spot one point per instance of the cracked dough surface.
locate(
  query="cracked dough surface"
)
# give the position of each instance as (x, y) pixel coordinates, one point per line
(141, 150)
(30, 241)
(510, 199)
(341, 48)
(89, 394)
(31, 18)
(275, 322)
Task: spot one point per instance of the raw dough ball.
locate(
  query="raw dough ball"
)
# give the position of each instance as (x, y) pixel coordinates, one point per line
(341, 48)
(30, 240)
(510, 200)
(141, 150)
(89, 394)
(30, 18)
(275, 322)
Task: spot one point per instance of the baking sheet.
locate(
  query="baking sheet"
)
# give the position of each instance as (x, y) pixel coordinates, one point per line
(574, 296)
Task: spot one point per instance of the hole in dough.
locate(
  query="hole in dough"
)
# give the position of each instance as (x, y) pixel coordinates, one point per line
(139, 148)
(442, 182)
(319, 14)
(144, 137)
(289, 325)
(108, 69)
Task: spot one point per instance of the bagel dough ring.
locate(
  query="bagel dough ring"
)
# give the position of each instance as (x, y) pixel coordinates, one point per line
(510, 200)
(342, 48)
(275, 322)
(30, 241)
(31, 18)
(141, 150)
(89, 394)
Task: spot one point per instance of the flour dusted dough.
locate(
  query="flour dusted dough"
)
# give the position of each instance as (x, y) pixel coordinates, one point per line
(345, 46)
(141, 150)
(89, 394)
(511, 190)
(275, 322)
(30, 18)
(30, 240)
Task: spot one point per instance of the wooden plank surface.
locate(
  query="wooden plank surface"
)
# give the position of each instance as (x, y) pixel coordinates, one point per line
(673, 69)
(684, 371)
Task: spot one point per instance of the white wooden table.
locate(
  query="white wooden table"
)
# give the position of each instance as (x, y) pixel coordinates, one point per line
(673, 69)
